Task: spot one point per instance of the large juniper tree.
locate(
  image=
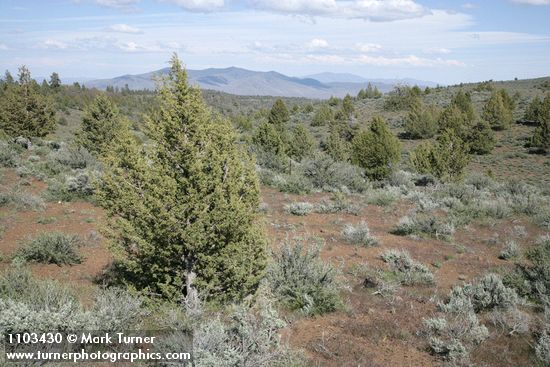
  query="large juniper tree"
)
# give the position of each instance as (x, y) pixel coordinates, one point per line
(183, 208)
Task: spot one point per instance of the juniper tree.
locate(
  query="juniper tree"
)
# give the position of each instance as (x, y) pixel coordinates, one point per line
(269, 139)
(541, 136)
(102, 125)
(24, 110)
(323, 116)
(497, 113)
(421, 122)
(463, 101)
(55, 82)
(453, 118)
(347, 106)
(301, 143)
(534, 110)
(376, 150)
(446, 159)
(336, 146)
(183, 208)
(508, 101)
(279, 114)
(481, 138)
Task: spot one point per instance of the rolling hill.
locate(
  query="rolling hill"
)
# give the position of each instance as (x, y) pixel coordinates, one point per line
(247, 82)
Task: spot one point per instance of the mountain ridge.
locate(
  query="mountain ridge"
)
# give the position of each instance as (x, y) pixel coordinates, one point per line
(241, 81)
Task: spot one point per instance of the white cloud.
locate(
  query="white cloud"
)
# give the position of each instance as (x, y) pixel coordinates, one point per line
(118, 4)
(122, 28)
(317, 43)
(369, 47)
(532, 2)
(438, 50)
(51, 44)
(410, 60)
(469, 6)
(3, 47)
(373, 10)
(198, 5)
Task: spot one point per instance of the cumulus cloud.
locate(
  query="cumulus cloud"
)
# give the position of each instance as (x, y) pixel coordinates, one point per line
(373, 10)
(410, 60)
(469, 6)
(198, 5)
(51, 44)
(3, 47)
(438, 50)
(532, 2)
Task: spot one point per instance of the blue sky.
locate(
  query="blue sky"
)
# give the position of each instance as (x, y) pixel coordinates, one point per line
(438, 40)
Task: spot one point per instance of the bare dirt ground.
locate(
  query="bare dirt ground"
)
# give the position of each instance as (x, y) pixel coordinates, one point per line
(371, 330)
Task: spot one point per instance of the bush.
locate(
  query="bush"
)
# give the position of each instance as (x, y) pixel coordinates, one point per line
(51, 248)
(422, 223)
(325, 173)
(409, 271)
(9, 154)
(359, 235)
(383, 197)
(299, 208)
(486, 293)
(510, 251)
(302, 281)
(294, 184)
(454, 336)
(338, 204)
(21, 200)
(542, 348)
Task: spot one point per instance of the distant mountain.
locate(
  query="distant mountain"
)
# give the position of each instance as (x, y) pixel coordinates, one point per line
(246, 82)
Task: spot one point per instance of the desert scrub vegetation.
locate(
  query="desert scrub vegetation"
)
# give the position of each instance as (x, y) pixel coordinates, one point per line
(511, 250)
(359, 234)
(302, 281)
(21, 200)
(457, 330)
(419, 223)
(338, 203)
(29, 304)
(408, 271)
(299, 208)
(51, 248)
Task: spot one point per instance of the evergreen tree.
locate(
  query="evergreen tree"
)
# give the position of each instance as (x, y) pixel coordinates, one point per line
(323, 116)
(463, 101)
(269, 139)
(362, 94)
(534, 110)
(102, 125)
(496, 112)
(541, 136)
(376, 150)
(446, 159)
(183, 209)
(55, 82)
(336, 146)
(421, 122)
(24, 111)
(8, 78)
(279, 114)
(508, 101)
(347, 106)
(333, 101)
(301, 143)
(453, 118)
(481, 138)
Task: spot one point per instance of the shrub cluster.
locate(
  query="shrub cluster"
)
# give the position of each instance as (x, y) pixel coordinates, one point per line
(359, 234)
(408, 271)
(51, 248)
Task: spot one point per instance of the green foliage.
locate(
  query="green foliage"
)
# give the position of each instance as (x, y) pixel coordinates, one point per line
(481, 138)
(538, 111)
(302, 280)
(347, 106)
(269, 139)
(24, 111)
(327, 174)
(55, 82)
(183, 210)
(279, 114)
(402, 98)
(497, 112)
(421, 122)
(101, 126)
(463, 101)
(336, 146)
(322, 116)
(51, 248)
(541, 136)
(446, 159)
(452, 118)
(376, 150)
(370, 92)
(302, 143)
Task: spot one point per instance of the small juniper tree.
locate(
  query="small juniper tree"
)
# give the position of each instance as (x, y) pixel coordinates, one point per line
(183, 209)
(497, 113)
(481, 138)
(279, 114)
(452, 118)
(534, 110)
(376, 150)
(446, 159)
(55, 81)
(541, 136)
(421, 122)
(336, 146)
(102, 125)
(323, 116)
(301, 143)
(347, 106)
(24, 110)
(463, 101)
